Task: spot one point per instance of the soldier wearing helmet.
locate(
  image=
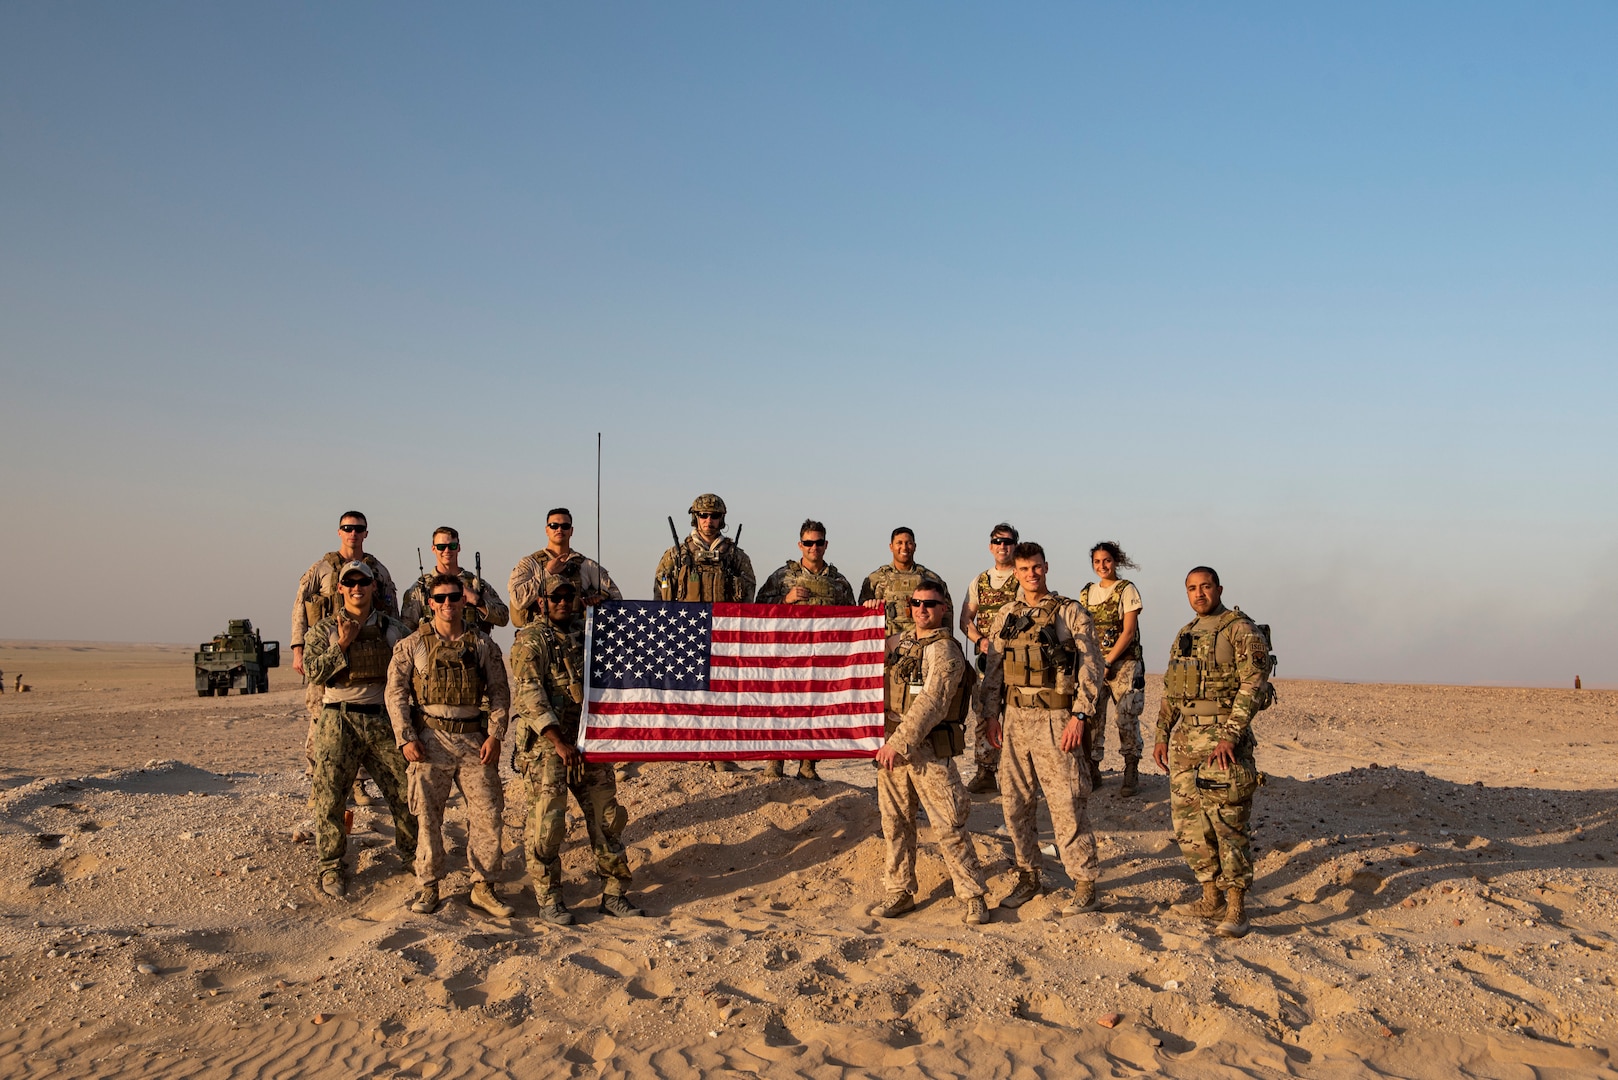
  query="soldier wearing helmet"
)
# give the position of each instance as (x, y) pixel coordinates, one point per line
(707, 566)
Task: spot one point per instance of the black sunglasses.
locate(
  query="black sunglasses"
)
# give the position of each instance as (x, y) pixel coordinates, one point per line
(351, 527)
(1001, 540)
(705, 517)
(447, 597)
(559, 597)
(812, 543)
(356, 582)
(928, 604)
(564, 526)
(446, 547)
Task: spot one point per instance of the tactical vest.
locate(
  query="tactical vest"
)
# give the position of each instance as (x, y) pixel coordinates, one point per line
(1196, 673)
(368, 656)
(329, 601)
(706, 576)
(450, 675)
(1038, 664)
(564, 677)
(893, 588)
(991, 600)
(471, 617)
(905, 684)
(822, 588)
(1109, 620)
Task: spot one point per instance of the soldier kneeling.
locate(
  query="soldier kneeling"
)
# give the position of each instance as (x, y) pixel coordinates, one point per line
(547, 662)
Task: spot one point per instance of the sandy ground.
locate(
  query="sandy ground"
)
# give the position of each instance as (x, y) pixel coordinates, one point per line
(1435, 898)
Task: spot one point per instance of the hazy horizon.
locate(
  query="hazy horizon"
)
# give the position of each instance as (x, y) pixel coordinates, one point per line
(1324, 298)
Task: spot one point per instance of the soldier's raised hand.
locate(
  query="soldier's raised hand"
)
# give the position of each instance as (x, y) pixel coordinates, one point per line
(348, 632)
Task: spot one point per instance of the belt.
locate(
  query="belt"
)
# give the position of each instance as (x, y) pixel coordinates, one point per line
(1203, 707)
(478, 724)
(354, 707)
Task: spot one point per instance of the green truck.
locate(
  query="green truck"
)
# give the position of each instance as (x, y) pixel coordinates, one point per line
(237, 658)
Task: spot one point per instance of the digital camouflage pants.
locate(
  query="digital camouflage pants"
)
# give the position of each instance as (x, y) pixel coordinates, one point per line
(343, 741)
(930, 782)
(1210, 821)
(1118, 696)
(985, 755)
(451, 758)
(596, 793)
(1031, 759)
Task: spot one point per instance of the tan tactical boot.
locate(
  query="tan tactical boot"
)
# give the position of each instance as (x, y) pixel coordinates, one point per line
(724, 766)
(775, 768)
(1026, 889)
(1084, 899)
(361, 796)
(1131, 781)
(552, 910)
(618, 904)
(483, 896)
(1095, 773)
(331, 883)
(984, 782)
(1235, 921)
(426, 901)
(897, 903)
(1209, 907)
(807, 770)
(977, 912)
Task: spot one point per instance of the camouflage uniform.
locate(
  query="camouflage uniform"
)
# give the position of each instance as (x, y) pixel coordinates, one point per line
(588, 578)
(351, 731)
(697, 570)
(547, 665)
(435, 692)
(893, 587)
(827, 588)
(924, 688)
(1217, 679)
(1124, 686)
(1036, 697)
(990, 600)
(316, 598)
(415, 609)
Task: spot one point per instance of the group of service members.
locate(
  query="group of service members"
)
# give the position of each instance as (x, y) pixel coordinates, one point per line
(423, 704)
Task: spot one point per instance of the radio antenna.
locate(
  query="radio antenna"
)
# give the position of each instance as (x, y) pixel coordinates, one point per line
(598, 497)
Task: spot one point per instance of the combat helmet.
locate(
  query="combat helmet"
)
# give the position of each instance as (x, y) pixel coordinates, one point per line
(707, 504)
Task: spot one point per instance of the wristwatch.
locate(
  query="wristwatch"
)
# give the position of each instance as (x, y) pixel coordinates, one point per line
(1081, 717)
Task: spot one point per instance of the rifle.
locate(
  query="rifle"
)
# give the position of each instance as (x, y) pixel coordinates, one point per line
(677, 570)
(477, 571)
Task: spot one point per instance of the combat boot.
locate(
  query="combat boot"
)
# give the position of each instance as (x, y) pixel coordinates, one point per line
(724, 766)
(618, 904)
(1083, 900)
(1026, 889)
(977, 912)
(552, 910)
(897, 903)
(426, 901)
(1131, 781)
(331, 883)
(361, 796)
(1209, 907)
(483, 896)
(1235, 921)
(984, 782)
(775, 768)
(1095, 772)
(807, 770)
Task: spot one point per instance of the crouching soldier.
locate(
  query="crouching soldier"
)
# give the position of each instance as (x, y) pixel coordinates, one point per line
(928, 691)
(547, 664)
(437, 682)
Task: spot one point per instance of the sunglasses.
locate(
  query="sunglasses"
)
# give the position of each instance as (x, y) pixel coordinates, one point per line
(446, 547)
(928, 604)
(356, 582)
(561, 597)
(447, 597)
(1001, 540)
(352, 528)
(812, 543)
(559, 526)
(705, 517)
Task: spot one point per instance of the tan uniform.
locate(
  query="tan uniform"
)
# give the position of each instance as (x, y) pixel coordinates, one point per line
(434, 695)
(415, 609)
(1046, 685)
(699, 571)
(588, 578)
(924, 690)
(317, 597)
(893, 587)
(990, 599)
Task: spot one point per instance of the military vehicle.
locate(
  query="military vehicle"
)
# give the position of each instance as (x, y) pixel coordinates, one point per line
(237, 658)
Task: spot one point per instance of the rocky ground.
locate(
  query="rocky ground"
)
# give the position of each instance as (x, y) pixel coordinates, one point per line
(1435, 898)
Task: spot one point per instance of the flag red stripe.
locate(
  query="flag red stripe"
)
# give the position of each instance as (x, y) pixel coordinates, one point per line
(811, 661)
(793, 637)
(784, 686)
(668, 734)
(788, 611)
(722, 755)
(664, 708)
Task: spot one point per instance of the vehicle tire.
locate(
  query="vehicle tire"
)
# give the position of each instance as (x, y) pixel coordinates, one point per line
(205, 691)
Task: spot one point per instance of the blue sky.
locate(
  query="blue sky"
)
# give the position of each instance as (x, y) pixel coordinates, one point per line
(1325, 297)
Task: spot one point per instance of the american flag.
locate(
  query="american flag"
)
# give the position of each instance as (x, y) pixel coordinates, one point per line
(697, 682)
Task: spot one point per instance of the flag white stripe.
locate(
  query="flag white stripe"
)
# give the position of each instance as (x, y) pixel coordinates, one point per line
(792, 626)
(767, 700)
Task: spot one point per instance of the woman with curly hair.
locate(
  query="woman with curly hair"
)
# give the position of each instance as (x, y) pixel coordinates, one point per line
(1114, 603)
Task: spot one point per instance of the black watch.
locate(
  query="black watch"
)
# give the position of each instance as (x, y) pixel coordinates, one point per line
(1081, 717)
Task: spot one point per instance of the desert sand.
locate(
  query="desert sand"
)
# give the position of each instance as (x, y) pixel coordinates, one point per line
(1435, 898)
